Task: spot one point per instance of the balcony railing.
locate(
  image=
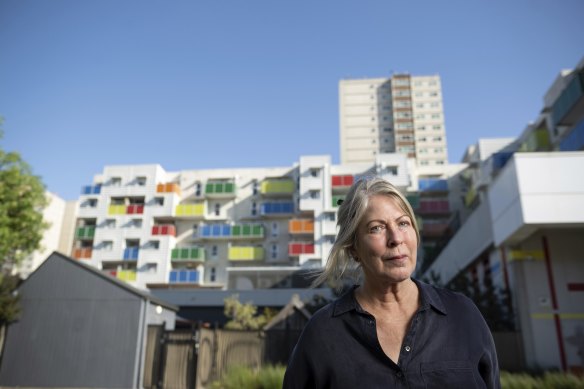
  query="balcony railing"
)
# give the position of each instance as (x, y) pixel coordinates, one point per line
(169, 187)
(91, 189)
(186, 254)
(414, 200)
(537, 140)
(336, 201)
(131, 253)
(531, 255)
(126, 275)
(301, 226)
(120, 209)
(87, 232)
(574, 141)
(276, 208)
(219, 231)
(164, 229)
(220, 189)
(570, 97)
(277, 187)
(82, 253)
(342, 181)
(190, 210)
(434, 207)
(432, 185)
(183, 276)
(297, 248)
(246, 253)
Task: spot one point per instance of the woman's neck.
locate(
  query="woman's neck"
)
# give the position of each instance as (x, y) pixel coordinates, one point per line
(395, 296)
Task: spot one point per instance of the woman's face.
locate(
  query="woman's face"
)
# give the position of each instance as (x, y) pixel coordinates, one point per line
(386, 243)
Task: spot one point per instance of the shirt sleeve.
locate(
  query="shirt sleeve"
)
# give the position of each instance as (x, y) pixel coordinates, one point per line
(488, 363)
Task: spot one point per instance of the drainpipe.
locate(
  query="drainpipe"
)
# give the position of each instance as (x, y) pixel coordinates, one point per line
(556, 315)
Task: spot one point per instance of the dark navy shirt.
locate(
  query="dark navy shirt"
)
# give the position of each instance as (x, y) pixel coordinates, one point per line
(447, 345)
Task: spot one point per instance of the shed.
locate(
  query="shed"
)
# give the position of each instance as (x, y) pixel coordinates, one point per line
(81, 328)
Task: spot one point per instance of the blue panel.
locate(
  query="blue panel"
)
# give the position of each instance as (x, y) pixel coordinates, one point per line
(205, 231)
(288, 208)
(575, 139)
(500, 159)
(173, 276)
(432, 184)
(182, 276)
(97, 189)
(131, 253)
(192, 276)
(85, 190)
(226, 230)
(216, 230)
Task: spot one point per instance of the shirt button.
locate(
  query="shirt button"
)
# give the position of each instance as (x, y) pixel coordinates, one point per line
(399, 374)
(408, 348)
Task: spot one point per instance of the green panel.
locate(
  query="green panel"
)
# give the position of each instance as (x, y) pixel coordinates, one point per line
(236, 230)
(210, 188)
(246, 230)
(336, 199)
(229, 187)
(258, 230)
(174, 254)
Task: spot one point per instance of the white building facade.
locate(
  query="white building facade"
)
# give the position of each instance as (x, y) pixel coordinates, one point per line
(402, 114)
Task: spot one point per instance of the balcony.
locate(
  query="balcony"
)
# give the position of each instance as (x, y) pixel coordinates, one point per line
(432, 185)
(276, 209)
(82, 253)
(301, 226)
(125, 275)
(91, 189)
(183, 276)
(169, 187)
(120, 209)
(134, 209)
(131, 253)
(246, 253)
(220, 189)
(194, 210)
(277, 187)
(433, 230)
(525, 255)
(434, 207)
(219, 231)
(85, 233)
(298, 248)
(188, 254)
(570, 105)
(164, 229)
(343, 181)
(336, 201)
(246, 231)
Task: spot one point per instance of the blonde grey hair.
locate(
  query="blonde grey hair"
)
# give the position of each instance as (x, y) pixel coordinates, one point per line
(350, 213)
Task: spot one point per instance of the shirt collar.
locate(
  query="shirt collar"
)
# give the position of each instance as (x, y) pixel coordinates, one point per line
(430, 298)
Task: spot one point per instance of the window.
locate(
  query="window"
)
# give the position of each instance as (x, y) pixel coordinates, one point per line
(158, 201)
(329, 216)
(391, 170)
(135, 223)
(151, 268)
(314, 172)
(437, 139)
(420, 116)
(434, 104)
(198, 189)
(421, 128)
(254, 208)
(420, 105)
(433, 94)
(275, 229)
(152, 245)
(109, 223)
(118, 201)
(437, 127)
(435, 116)
(213, 275)
(424, 163)
(315, 194)
(217, 209)
(195, 229)
(116, 181)
(132, 243)
(107, 245)
(387, 129)
(141, 181)
(214, 251)
(274, 251)
(255, 189)
(439, 162)
(89, 203)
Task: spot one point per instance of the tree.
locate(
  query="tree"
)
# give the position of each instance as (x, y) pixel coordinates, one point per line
(22, 199)
(245, 316)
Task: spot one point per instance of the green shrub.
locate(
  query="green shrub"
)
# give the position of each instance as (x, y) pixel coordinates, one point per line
(547, 380)
(240, 377)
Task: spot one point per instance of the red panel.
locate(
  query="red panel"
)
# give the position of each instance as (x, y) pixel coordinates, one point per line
(337, 180)
(348, 180)
(309, 248)
(576, 287)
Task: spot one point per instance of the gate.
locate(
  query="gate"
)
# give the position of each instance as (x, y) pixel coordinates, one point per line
(171, 359)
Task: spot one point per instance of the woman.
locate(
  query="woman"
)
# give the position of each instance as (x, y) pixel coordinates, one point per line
(391, 331)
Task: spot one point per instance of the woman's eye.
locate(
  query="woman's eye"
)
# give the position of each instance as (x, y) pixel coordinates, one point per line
(378, 228)
(404, 224)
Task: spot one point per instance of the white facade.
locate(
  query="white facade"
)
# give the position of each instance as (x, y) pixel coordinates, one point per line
(402, 114)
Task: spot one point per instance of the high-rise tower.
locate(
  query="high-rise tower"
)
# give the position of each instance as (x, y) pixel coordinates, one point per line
(402, 114)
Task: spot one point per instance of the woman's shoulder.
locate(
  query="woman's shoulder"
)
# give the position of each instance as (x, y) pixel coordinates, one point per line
(448, 297)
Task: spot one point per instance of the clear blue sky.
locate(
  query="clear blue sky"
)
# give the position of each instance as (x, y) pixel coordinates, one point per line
(214, 84)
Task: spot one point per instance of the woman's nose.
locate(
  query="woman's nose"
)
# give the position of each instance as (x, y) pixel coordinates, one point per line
(394, 237)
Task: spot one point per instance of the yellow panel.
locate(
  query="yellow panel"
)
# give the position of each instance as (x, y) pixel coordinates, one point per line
(246, 253)
(190, 209)
(117, 210)
(277, 186)
(126, 275)
(517, 255)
